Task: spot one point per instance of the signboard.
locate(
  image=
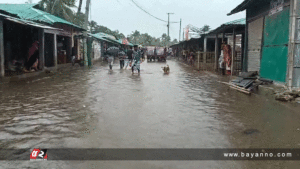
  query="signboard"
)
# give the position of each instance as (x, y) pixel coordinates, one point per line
(187, 33)
(276, 6)
(125, 41)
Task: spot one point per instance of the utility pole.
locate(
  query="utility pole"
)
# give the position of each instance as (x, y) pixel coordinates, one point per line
(87, 9)
(169, 23)
(183, 34)
(180, 30)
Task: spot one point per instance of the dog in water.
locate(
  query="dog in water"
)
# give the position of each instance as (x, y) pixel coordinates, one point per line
(166, 69)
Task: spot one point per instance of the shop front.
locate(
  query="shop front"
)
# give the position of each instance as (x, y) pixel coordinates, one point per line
(22, 46)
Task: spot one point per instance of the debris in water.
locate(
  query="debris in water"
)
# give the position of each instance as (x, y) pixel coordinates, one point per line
(84, 106)
(284, 97)
(298, 100)
(251, 131)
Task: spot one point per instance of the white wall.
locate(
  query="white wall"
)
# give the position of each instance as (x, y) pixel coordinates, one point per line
(96, 50)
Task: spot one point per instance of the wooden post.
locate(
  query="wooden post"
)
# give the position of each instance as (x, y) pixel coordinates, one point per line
(205, 51)
(89, 50)
(102, 49)
(233, 52)
(198, 54)
(2, 67)
(41, 49)
(69, 49)
(223, 36)
(55, 50)
(243, 49)
(216, 52)
(79, 48)
(245, 52)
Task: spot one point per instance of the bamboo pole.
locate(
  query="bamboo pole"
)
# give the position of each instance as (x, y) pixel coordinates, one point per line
(2, 58)
(233, 52)
(198, 54)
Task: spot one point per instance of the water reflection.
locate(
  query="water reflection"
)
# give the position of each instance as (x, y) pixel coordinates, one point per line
(102, 108)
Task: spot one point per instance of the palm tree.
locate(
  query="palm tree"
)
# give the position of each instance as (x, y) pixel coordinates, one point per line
(60, 8)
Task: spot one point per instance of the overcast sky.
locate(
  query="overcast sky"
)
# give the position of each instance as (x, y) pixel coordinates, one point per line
(124, 16)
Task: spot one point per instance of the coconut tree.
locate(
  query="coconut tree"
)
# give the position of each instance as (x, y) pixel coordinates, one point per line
(60, 8)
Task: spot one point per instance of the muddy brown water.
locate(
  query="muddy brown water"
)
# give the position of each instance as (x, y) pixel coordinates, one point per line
(102, 108)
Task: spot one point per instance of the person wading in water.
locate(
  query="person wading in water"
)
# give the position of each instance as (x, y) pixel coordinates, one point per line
(129, 59)
(136, 60)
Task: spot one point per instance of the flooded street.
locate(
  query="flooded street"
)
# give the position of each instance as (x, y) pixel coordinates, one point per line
(100, 108)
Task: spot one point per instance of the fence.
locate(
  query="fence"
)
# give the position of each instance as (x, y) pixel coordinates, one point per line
(205, 61)
(237, 63)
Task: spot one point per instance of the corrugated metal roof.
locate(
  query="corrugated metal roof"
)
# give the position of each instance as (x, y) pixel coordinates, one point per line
(108, 38)
(98, 36)
(28, 12)
(241, 6)
(25, 22)
(236, 22)
(228, 25)
(106, 35)
(116, 41)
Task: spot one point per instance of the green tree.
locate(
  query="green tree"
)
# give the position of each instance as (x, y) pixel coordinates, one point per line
(134, 37)
(205, 29)
(78, 19)
(103, 29)
(165, 40)
(93, 26)
(60, 8)
(117, 34)
(175, 41)
(156, 42)
(147, 39)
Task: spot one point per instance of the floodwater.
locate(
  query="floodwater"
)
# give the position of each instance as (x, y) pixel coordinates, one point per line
(102, 108)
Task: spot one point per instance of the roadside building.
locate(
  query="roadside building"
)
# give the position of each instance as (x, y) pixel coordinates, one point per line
(209, 45)
(102, 41)
(233, 34)
(22, 25)
(271, 41)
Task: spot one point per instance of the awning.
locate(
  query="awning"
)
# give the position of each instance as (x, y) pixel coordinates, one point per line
(28, 23)
(242, 6)
(32, 13)
(238, 24)
(101, 38)
(115, 41)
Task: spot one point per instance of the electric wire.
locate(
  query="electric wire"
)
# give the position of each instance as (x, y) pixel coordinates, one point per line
(149, 13)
